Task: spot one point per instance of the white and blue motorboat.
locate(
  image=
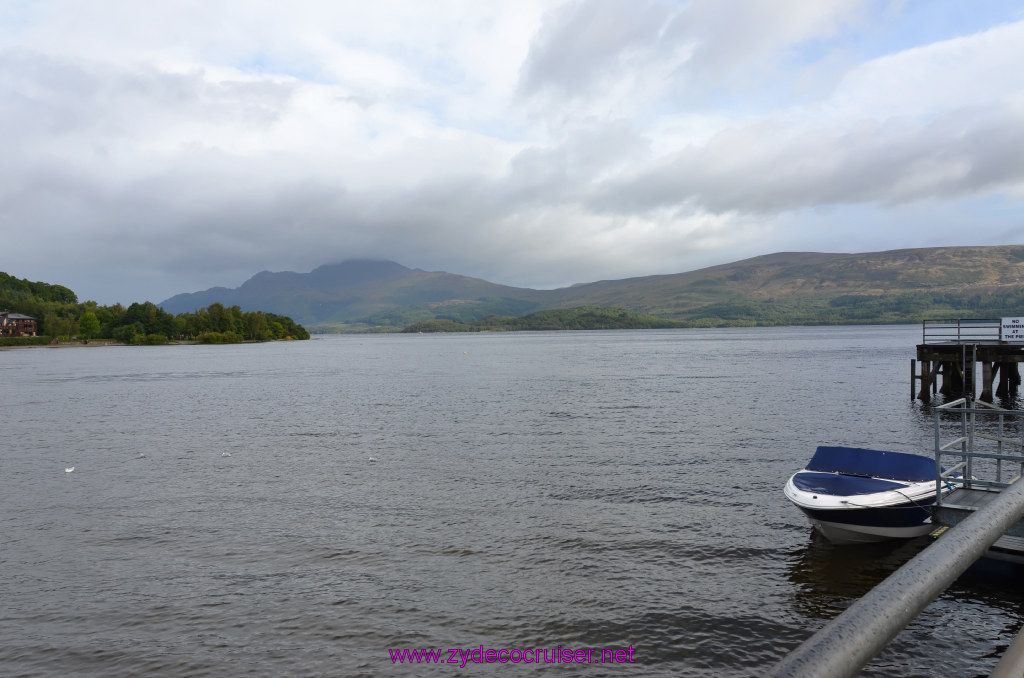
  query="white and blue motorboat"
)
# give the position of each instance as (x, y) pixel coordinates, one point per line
(852, 495)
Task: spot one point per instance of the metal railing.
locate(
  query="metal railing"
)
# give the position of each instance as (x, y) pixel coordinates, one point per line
(982, 450)
(961, 331)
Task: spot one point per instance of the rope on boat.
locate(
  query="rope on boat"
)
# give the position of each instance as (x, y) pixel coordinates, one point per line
(926, 507)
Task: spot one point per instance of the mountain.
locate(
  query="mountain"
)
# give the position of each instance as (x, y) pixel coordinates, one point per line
(376, 292)
(781, 288)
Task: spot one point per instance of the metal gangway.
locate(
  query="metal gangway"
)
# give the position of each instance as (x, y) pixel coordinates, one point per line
(983, 508)
(984, 456)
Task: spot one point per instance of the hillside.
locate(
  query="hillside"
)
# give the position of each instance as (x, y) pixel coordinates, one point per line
(781, 288)
(812, 280)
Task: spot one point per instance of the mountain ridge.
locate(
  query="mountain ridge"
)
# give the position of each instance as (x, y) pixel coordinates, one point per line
(801, 286)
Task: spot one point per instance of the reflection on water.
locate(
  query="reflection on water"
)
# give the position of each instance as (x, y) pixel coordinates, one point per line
(826, 576)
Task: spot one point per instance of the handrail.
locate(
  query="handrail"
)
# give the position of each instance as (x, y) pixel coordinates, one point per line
(960, 331)
(967, 440)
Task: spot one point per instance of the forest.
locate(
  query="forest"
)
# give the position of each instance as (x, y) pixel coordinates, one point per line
(61, 316)
(862, 309)
(853, 309)
(581, 318)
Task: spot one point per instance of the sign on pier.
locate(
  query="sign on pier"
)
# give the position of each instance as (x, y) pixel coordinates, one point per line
(1012, 330)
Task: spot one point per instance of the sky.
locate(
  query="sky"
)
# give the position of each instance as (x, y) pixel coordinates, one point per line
(155, 148)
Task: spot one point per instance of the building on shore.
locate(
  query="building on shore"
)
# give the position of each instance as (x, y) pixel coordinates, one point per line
(17, 325)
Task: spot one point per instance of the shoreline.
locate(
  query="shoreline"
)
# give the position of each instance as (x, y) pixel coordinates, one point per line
(93, 343)
(111, 342)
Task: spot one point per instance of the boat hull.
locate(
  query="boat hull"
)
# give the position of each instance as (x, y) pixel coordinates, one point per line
(857, 526)
(855, 495)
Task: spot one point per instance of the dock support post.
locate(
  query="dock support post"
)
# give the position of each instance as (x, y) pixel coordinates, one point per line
(986, 382)
(1009, 380)
(913, 376)
(957, 379)
(969, 379)
(952, 379)
(927, 382)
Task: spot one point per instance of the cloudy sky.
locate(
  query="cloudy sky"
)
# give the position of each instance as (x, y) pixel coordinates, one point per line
(152, 148)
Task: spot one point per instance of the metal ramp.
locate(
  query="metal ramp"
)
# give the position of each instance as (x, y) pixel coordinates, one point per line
(984, 455)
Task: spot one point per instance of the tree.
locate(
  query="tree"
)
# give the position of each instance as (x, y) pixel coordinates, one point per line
(58, 326)
(89, 324)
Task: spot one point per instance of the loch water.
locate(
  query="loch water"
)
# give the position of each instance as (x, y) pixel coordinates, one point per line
(302, 508)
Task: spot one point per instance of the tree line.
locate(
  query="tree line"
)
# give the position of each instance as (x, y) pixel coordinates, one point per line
(850, 309)
(59, 314)
(580, 318)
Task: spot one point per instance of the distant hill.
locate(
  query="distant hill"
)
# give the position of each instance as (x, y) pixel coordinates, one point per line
(781, 288)
(788, 281)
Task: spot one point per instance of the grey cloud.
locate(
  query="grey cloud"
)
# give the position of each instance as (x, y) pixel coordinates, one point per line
(184, 180)
(42, 95)
(562, 172)
(738, 44)
(773, 169)
(587, 42)
(706, 48)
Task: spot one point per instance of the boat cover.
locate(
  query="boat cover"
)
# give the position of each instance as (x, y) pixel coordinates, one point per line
(856, 461)
(840, 485)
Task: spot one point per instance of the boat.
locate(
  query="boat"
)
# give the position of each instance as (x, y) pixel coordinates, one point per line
(854, 495)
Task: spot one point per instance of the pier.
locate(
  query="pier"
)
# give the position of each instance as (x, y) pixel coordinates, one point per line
(953, 350)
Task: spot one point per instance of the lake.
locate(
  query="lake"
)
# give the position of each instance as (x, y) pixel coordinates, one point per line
(314, 508)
